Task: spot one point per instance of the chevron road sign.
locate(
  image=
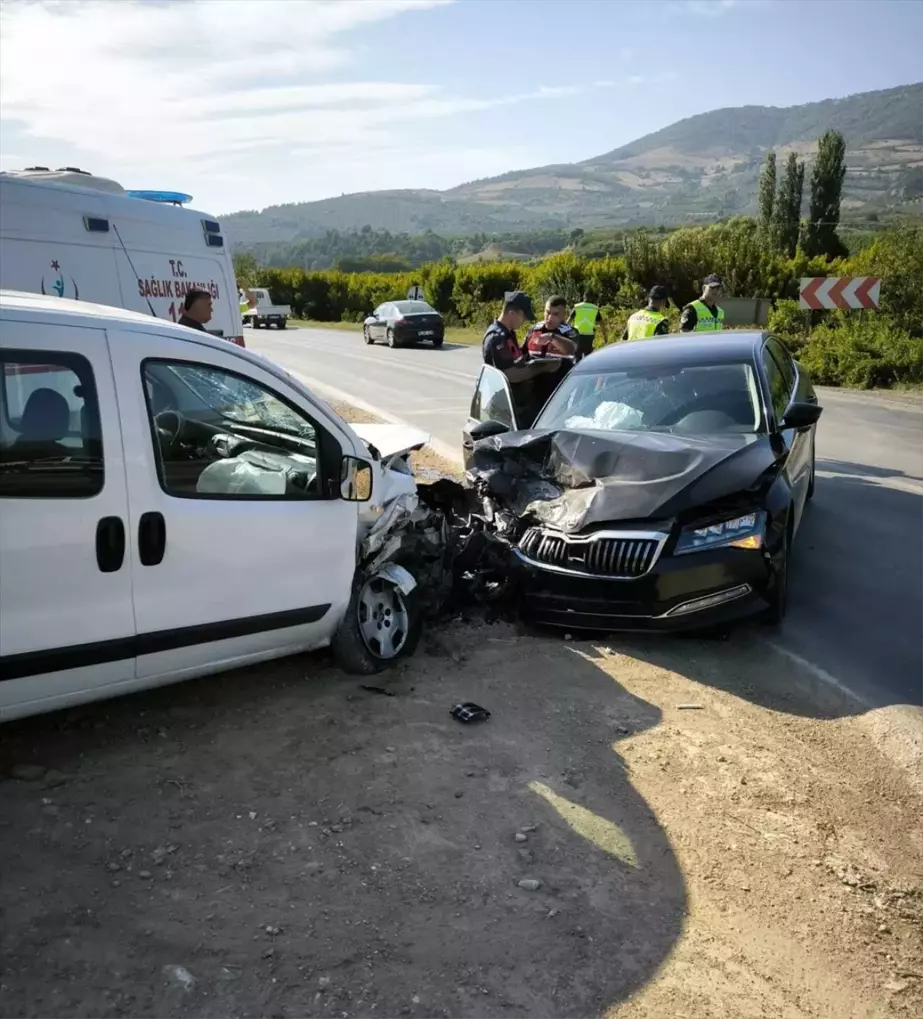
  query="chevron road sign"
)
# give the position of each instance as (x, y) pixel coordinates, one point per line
(829, 292)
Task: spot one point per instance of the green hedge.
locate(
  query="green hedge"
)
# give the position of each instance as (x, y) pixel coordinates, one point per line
(882, 348)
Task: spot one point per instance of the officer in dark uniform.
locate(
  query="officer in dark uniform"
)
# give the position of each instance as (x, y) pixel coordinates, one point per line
(501, 350)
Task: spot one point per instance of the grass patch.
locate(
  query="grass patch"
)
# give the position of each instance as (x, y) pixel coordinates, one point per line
(468, 335)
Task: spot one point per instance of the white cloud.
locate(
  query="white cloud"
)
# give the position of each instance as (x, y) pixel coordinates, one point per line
(710, 8)
(225, 98)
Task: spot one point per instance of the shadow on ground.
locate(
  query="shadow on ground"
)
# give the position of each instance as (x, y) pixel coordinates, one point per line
(855, 610)
(306, 847)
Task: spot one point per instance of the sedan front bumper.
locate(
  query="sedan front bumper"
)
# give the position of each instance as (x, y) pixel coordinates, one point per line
(698, 590)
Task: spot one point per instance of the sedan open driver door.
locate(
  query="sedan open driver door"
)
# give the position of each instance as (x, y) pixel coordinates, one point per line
(241, 546)
(492, 410)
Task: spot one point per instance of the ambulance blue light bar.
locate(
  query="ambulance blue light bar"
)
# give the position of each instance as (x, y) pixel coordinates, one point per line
(168, 197)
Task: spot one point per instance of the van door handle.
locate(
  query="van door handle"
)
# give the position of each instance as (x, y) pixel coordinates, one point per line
(152, 538)
(110, 544)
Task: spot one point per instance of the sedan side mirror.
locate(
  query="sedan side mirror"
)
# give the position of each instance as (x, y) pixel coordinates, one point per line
(484, 429)
(355, 479)
(802, 415)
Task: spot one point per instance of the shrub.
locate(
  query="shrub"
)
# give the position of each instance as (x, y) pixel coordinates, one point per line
(868, 354)
(789, 323)
(897, 257)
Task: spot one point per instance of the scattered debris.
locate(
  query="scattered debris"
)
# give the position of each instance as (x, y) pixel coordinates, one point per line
(530, 884)
(520, 837)
(28, 772)
(181, 976)
(379, 690)
(468, 712)
(690, 707)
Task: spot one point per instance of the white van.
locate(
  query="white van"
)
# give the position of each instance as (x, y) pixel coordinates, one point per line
(173, 505)
(69, 234)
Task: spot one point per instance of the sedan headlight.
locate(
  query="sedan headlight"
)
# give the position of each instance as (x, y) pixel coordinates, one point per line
(741, 532)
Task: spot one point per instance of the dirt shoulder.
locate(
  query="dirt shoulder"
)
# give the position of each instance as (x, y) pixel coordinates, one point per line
(299, 845)
(643, 828)
(426, 461)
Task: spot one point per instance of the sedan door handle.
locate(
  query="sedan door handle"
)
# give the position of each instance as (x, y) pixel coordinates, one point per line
(152, 538)
(110, 544)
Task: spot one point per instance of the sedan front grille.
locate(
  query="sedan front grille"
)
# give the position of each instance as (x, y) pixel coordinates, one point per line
(599, 555)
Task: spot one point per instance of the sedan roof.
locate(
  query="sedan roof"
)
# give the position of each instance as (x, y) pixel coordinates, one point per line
(731, 346)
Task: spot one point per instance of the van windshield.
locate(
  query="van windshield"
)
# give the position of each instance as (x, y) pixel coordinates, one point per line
(229, 398)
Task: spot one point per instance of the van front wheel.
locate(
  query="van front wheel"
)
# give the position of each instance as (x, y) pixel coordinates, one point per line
(381, 626)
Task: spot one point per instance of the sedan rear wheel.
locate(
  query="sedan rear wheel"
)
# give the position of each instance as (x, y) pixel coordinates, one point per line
(437, 341)
(392, 339)
(367, 334)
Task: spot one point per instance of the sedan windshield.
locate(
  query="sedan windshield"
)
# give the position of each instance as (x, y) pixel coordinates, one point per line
(694, 400)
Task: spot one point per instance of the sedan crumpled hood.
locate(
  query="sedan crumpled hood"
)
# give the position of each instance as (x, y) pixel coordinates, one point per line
(570, 479)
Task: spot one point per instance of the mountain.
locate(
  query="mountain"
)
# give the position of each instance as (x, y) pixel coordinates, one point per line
(697, 169)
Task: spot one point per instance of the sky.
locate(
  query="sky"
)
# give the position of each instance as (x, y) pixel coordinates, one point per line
(250, 103)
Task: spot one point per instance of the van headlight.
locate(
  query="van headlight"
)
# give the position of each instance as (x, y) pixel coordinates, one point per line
(740, 532)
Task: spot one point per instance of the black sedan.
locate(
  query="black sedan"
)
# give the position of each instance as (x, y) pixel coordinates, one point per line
(660, 487)
(404, 323)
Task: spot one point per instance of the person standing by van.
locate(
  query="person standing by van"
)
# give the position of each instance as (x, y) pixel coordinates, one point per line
(197, 310)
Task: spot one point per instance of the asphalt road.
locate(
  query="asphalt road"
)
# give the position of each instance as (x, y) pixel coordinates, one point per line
(856, 609)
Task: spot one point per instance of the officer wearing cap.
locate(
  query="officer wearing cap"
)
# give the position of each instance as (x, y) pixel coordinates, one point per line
(650, 321)
(704, 315)
(500, 348)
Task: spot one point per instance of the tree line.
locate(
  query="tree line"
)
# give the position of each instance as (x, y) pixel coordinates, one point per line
(763, 257)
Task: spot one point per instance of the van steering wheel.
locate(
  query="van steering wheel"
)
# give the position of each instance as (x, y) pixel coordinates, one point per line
(169, 434)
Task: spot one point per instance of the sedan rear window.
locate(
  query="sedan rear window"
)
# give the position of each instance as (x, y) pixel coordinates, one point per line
(414, 308)
(695, 400)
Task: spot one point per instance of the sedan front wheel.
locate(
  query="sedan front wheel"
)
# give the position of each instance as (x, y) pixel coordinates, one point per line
(778, 594)
(367, 334)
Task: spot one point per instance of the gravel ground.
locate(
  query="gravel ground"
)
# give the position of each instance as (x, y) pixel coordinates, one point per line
(696, 836)
(643, 828)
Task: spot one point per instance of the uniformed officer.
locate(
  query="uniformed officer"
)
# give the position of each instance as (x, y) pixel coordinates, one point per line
(500, 348)
(585, 317)
(552, 337)
(704, 315)
(650, 321)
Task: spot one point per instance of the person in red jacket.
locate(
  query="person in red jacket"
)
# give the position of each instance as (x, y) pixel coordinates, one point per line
(552, 337)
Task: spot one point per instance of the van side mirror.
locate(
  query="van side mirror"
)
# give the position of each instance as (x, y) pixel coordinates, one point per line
(484, 429)
(355, 479)
(802, 415)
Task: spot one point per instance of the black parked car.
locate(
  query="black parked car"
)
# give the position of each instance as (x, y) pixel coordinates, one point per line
(403, 323)
(660, 487)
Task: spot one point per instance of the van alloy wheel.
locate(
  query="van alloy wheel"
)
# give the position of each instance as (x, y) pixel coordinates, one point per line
(384, 621)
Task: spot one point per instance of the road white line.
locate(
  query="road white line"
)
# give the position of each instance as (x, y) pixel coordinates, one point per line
(821, 674)
(402, 366)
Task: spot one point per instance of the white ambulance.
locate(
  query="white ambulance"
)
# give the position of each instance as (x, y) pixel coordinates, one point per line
(66, 233)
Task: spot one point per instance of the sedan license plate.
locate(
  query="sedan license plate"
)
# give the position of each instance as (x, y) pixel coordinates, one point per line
(425, 332)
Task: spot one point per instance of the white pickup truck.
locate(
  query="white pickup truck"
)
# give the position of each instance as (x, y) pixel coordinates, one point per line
(260, 311)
